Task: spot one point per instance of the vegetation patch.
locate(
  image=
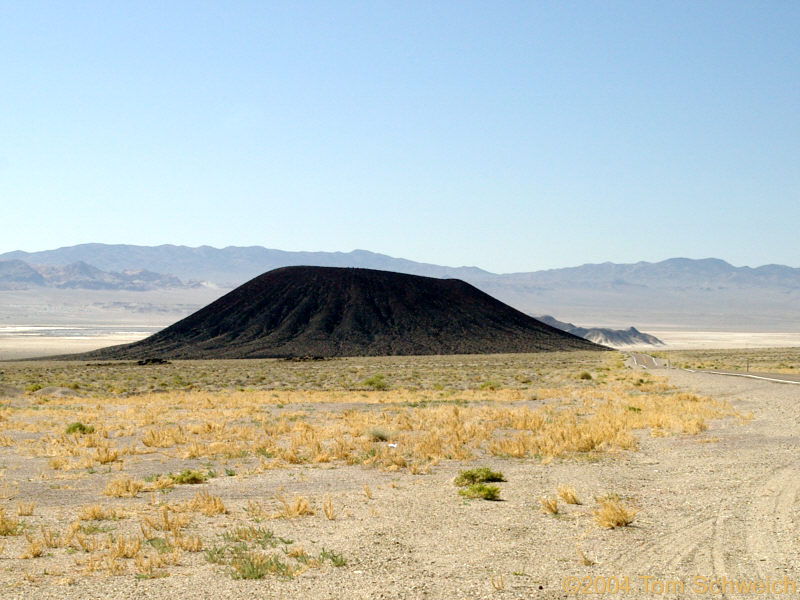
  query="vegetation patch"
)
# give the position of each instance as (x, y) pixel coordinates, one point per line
(293, 422)
(255, 565)
(376, 382)
(477, 475)
(78, 427)
(480, 490)
(188, 476)
(612, 513)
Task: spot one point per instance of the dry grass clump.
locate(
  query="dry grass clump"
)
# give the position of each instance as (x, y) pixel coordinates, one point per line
(148, 564)
(298, 507)
(87, 543)
(549, 505)
(159, 483)
(164, 437)
(8, 491)
(124, 546)
(97, 512)
(206, 503)
(105, 455)
(34, 549)
(57, 463)
(50, 539)
(9, 525)
(167, 520)
(103, 562)
(25, 509)
(123, 487)
(612, 513)
(567, 494)
(327, 509)
(256, 511)
(190, 543)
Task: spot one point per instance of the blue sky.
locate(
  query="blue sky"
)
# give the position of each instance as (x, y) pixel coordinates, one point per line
(513, 136)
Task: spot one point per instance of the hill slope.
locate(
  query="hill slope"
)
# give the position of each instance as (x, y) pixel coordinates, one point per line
(327, 311)
(604, 335)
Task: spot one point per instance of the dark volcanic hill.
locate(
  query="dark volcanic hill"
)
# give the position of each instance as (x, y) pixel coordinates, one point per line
(327, 311)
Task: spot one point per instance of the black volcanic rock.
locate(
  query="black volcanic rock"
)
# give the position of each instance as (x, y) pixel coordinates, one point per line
(327, 311)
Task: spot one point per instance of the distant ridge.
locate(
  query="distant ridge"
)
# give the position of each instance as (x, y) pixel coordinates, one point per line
(16, 274)
(226, 267)
(702, 294)
(327, 311)
(603, 335)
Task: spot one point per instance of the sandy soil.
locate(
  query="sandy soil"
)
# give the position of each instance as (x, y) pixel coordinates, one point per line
(691, 340)
(721, 504)
(14, 347)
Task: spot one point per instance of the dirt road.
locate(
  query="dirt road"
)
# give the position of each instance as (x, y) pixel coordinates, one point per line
(726, 510)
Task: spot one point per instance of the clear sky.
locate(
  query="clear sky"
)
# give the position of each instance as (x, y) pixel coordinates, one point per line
(513, 136)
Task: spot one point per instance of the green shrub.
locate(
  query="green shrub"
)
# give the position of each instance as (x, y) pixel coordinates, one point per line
(254, 565)
(78, 427)
(480, 490)
(188, 476)
(376, 382)
(337, 560)
(478, 475)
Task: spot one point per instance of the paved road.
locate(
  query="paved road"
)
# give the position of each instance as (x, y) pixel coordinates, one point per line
(777, 377)
(645, 361)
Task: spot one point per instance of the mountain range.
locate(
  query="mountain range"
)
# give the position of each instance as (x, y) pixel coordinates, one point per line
(227, 267)
(675, 293)
(19, 275)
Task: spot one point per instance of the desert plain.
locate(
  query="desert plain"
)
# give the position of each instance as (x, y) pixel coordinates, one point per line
(361, 478)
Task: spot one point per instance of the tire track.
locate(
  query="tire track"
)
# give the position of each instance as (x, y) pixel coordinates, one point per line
(667, 552)
(770, 525)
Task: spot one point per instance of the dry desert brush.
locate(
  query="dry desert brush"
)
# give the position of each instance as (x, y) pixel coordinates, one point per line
(612, 513)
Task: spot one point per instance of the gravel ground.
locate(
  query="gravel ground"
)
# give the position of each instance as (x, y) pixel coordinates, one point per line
(721, 504)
